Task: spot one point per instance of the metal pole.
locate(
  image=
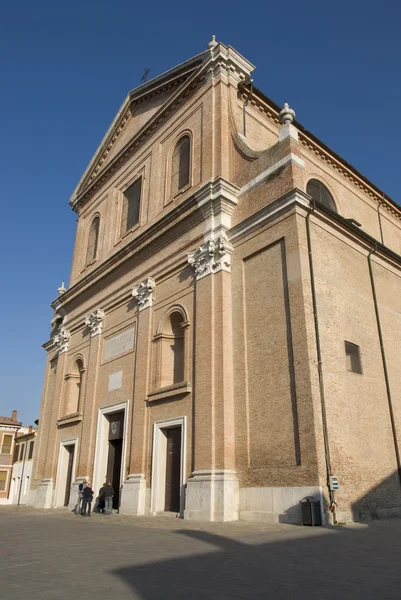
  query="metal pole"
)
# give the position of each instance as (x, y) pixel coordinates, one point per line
(384, 361)
(320, 366)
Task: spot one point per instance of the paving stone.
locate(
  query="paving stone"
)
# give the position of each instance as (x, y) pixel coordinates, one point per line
(56, 554)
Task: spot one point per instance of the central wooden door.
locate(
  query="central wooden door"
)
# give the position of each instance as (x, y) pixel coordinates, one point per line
(114, 469)
(173, 469)
(70, 450)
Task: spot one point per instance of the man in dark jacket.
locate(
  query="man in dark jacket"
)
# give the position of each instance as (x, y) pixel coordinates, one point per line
(108, 497)
(87, 497)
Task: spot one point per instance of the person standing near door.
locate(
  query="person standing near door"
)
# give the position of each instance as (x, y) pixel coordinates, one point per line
(108, 494)
(81, 487)
(87, 497)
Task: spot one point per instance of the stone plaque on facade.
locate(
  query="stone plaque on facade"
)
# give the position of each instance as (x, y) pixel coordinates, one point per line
(119, 344)
(115, 381)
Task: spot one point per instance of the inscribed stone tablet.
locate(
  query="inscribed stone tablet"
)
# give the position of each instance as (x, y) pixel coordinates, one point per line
(119, 344)
(115, 381)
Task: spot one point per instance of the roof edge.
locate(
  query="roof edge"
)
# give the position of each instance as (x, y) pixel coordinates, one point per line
(139, 92)
(330, 152)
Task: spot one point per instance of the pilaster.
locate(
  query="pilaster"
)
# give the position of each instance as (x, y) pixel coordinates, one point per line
(88, 434)
(212, 489)
(49, 472)
(134, 491)
(47, 454)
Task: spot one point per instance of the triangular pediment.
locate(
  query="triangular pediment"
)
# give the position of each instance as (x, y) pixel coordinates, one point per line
(140, 105)
(146, 106)
(136, 117)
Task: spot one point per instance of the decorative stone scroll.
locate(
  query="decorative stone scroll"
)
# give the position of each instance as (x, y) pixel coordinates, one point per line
(143, 293)
(61, 340)
(211, 257)
(95, 322)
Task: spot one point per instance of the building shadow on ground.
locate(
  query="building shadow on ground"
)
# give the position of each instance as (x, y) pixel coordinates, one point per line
(299, 562)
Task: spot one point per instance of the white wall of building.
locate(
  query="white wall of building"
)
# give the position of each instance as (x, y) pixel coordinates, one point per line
(20, 482)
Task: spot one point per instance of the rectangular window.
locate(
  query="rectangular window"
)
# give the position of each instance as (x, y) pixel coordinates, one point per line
(26, 484)
(7, 443)
(21, 452)
(30, 454)
(353, 358)
(3, 481)
(131, 206)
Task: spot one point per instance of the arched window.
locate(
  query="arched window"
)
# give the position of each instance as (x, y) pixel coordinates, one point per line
(320, 193)
(131, 206)
(171, 350)
(181, 165)
(92, 241)
(73, 390)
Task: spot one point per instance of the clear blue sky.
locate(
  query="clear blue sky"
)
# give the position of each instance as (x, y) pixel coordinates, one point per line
(65, 68)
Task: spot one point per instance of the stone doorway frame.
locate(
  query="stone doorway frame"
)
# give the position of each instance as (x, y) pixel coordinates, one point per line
(102, 436)
(158, 478)
(61, 477)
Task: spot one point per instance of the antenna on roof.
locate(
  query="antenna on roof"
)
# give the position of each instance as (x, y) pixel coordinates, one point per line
(145, 75)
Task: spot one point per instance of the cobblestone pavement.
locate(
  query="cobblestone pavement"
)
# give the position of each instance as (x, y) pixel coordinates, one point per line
(56, 554)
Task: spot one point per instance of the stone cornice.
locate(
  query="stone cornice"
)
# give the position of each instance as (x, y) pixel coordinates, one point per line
(350, 175)
(272, 211)
(217, 201)
(145, 238)
(49, 345)
(298, 199)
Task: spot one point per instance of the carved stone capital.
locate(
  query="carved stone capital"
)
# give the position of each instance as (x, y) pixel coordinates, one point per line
(213, 256)
(95, 322)
(143, 293)
(61, 340)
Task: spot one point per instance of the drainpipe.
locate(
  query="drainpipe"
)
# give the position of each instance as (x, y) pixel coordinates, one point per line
(320, 366)
(383, 353)
(246, 103)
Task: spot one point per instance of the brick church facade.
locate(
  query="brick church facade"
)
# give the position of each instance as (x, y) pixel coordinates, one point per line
(229, 342)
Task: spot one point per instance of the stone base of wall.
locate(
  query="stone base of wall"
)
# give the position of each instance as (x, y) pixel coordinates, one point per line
(31, 498)
(275, 504)
(365, 514)
(212, 496)
(133, 499)
(44, 494)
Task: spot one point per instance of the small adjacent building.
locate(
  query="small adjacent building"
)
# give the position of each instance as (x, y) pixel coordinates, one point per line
(9, 426)
(22, 466)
